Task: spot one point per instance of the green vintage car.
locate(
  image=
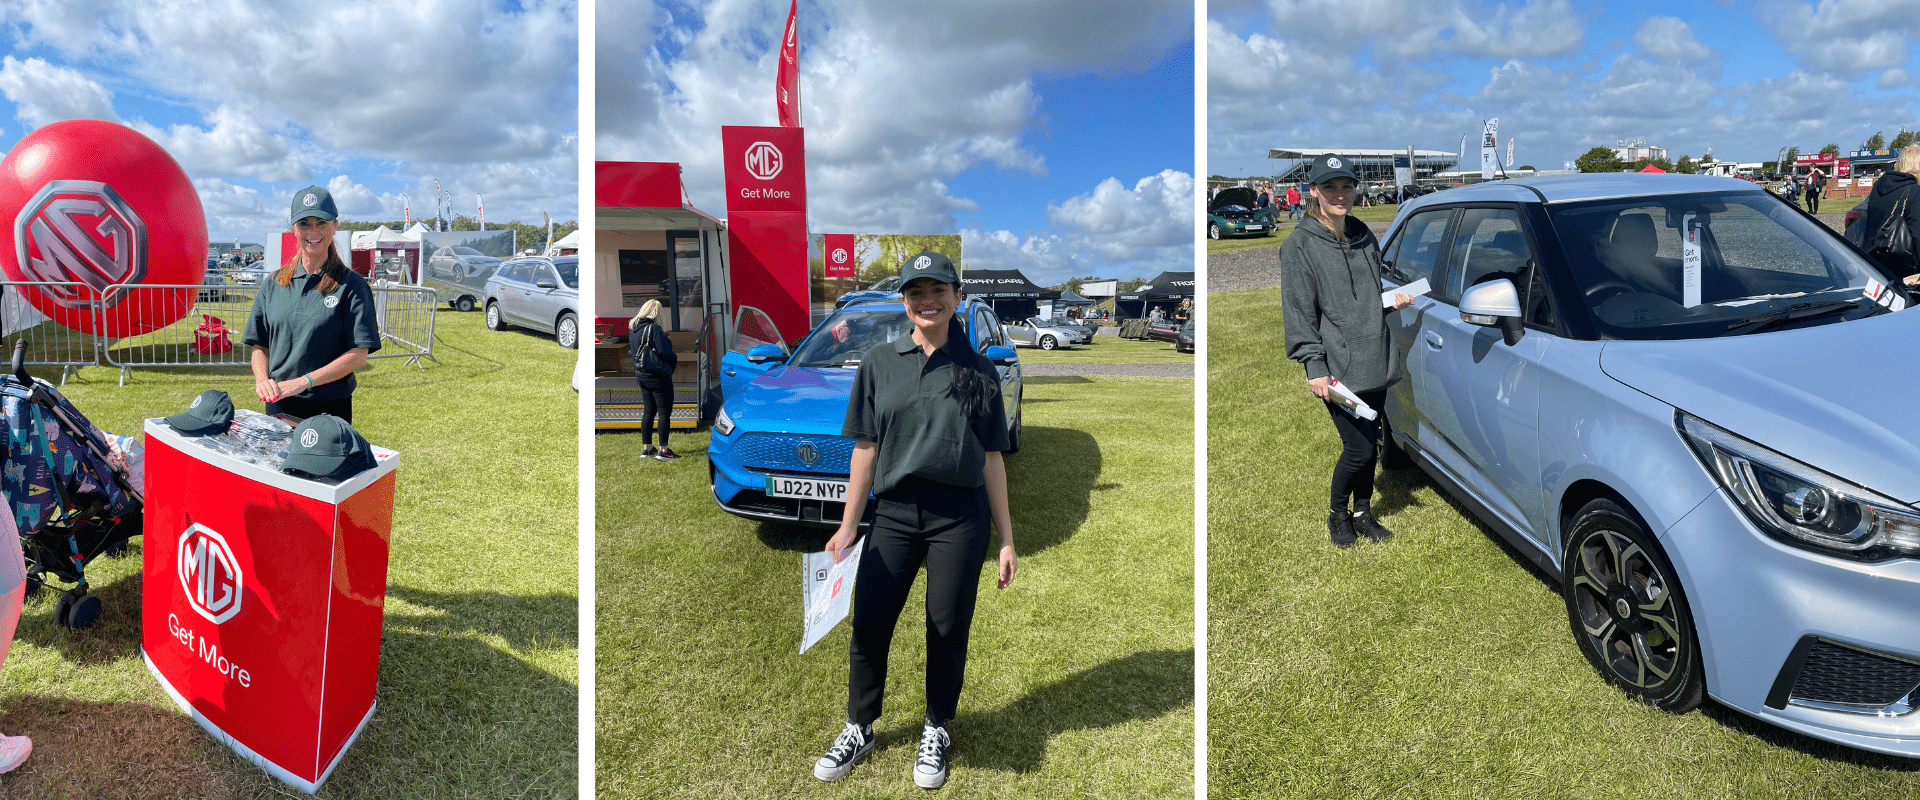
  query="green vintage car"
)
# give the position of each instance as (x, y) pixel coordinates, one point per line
(1234, 212)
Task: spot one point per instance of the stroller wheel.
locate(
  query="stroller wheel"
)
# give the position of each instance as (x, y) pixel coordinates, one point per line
(63, 610)
(84, 611)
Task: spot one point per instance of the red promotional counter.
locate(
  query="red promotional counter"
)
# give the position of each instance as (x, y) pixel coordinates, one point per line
(262, 599)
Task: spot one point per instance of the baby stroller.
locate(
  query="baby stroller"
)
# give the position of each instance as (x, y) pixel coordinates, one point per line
(70, 502)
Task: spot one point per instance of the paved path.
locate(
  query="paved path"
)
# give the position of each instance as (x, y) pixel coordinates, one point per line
(1134, 370)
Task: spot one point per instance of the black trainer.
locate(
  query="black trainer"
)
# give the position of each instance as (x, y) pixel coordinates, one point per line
(666, 454)
(647, 452)
(1340, 528)
(853, 743)
(930, 768)
(1366, 525)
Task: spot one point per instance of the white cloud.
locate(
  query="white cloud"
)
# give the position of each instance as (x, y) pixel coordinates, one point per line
(1111, 230)
(1893, 79)
(1670, 39)
(1423, 29)
(1847, 37)
(46, 93)
(236, 144)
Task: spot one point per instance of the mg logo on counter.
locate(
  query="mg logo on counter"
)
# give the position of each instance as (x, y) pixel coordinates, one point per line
(209, 573)
(763, 161)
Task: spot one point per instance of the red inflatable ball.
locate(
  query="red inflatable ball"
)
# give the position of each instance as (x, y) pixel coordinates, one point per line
(96, 204)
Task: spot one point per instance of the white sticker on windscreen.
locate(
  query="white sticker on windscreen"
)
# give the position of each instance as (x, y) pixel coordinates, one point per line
(1689, 261)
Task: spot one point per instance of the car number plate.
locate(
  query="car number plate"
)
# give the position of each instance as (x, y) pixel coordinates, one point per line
(1256, 227)
(806, 488)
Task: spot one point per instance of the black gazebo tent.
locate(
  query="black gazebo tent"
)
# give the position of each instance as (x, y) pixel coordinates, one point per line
(1166, 290)
(1006, 291)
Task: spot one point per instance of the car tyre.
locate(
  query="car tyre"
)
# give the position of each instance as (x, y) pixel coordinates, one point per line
(1048, 343)
(1627, 609)
(494, 322)
(567, 331)
(1213, 230)
(463, 304)
(1013, 438)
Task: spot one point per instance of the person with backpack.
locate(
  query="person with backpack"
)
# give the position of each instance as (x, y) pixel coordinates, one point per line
(653, 365)
(1816, 185)
(1893, 209)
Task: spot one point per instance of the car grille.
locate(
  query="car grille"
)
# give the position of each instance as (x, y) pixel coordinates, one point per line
(762, 452)
(758, 502)
(1845, 676)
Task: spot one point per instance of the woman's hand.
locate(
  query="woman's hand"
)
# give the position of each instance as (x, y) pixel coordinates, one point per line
(1913, 280)
(293, 387)
(842, 538)
(1318, 386)
(1402, 300)
(268, 389)
(1009, 564)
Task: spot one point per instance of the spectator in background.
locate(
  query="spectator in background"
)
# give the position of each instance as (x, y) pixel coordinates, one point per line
(1293, 202)
(1888, 191)
(1816, 185)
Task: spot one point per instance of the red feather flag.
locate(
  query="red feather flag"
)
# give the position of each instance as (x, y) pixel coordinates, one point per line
(786, 84)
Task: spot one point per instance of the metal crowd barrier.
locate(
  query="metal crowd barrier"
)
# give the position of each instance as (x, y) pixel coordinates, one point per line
(49, 343)
(207, 336)
(406, 322)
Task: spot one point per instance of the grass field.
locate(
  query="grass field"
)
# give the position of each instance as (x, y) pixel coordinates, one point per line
(1437, 664)
(1380, 213)
(1080, 675)
(478, 690)
(1108, 350)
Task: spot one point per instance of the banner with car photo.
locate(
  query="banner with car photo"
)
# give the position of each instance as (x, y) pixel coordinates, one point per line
(875, 259)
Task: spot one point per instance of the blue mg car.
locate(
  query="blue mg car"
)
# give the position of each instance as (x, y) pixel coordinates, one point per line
(776, 452)
(1694, 406)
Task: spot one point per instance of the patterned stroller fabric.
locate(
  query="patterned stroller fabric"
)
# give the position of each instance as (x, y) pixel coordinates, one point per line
(51, 478)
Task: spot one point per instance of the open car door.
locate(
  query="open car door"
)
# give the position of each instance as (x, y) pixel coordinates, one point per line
(751, 328)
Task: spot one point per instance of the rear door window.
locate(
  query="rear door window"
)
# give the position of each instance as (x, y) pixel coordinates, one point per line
(1415, 253)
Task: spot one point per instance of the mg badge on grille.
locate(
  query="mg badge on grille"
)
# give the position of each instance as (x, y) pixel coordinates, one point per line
(809, 454)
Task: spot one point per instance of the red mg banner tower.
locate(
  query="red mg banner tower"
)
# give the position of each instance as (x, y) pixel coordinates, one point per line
(767, 222)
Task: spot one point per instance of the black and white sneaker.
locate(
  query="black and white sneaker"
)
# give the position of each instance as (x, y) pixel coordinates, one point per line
(666, 454)
(930, 768)
(853, 743)
(1365, 525)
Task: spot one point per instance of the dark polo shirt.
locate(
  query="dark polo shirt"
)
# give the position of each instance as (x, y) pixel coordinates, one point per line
(901, 401)
(304, 330)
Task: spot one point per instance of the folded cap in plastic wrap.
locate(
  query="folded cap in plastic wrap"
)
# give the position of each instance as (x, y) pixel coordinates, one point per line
(327, 447)
(211, 412)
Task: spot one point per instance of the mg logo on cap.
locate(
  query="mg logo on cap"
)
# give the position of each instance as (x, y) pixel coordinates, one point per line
(922, 262)
(809, 454)
(309, 438)
(80, 232)
(310, 200)
(763, 161)
(209, 573)
(1334, 163)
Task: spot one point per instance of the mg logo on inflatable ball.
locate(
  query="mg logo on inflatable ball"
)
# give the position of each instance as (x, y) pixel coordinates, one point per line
(209, 573)
(97, 204)
(763, 161)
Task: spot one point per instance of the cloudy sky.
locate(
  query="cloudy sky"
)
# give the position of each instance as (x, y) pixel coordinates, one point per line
(1056, 138)
(1744, 78)
(371, 99)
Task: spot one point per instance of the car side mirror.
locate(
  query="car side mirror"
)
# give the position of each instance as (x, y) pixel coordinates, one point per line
(762, 353)
(1002, 355)
(1494, 304)
(544, 285)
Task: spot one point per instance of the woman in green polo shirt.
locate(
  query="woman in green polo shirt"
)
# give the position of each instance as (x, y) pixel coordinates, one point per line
(312, 323)
(929, 425)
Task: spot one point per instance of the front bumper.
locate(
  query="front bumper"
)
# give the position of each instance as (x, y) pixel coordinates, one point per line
(1786, 632)
(738, 465)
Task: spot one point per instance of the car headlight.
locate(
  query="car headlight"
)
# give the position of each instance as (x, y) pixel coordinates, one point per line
(722, 424)
(1801, 505)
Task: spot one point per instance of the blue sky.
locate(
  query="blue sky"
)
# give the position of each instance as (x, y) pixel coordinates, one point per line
(1743, 78)
(373, 100)
(1055, 138)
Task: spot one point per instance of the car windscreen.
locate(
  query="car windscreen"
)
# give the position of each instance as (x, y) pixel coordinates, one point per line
(844, 338)
(1701, 265)
(465, 251)
(569, 269)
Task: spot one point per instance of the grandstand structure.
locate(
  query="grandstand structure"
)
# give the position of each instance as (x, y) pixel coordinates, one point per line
(1371, 165)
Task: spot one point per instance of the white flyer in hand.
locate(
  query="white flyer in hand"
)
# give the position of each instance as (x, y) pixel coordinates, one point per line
(1415, 289)
(1339, 393)
(829, 590)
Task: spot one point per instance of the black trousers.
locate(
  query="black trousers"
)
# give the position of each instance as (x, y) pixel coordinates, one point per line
(945, 527)
(307, 409)
(1813, 201)
(656, 397)
(1359, 440)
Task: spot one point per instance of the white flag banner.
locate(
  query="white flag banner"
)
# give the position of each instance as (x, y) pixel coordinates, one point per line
(829, 590)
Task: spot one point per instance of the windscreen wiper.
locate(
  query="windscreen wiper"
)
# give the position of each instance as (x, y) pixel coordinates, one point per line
(1767, 319)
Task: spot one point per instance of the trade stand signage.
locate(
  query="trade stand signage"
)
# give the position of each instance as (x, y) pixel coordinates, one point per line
(767, 223)
(261, 612)
(839, 255)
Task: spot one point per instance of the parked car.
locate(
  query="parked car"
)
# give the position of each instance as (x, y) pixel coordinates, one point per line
(1233, 212)
(880, 290)
(776, 452)
(1164, 330)
(460, 275)
(1853, 232)
(1187, 339)
(1040, 332)
(539, 293)
(1709, 460)
(1072, 324)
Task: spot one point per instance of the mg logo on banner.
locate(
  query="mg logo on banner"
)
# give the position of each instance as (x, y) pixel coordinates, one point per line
(209, 573)
(763, 161)
(80, 231)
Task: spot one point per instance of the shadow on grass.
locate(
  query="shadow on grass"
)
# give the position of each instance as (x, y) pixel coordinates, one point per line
(1050, 486)
(114, 636)
(510, 617)
(1140, 686)
(112, 750)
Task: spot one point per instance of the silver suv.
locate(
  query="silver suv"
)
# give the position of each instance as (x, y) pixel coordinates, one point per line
(537, 292)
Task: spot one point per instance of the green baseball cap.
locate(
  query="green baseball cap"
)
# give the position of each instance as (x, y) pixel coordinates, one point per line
(928, 264)
(314, 201)
(327, 447)
(211, 412)
(1330, 166)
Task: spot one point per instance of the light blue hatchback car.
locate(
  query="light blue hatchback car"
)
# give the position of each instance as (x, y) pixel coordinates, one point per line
(1695, 406)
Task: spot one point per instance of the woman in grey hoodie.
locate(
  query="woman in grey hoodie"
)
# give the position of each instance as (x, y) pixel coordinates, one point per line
(1337, 328)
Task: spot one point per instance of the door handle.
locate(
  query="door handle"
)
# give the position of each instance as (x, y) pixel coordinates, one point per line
(729, 371)
(1433, 339)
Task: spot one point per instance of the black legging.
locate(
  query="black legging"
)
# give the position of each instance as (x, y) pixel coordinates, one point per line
(946, 527)
(1813, 199)
(656, 395)
(1353, 473)
(307, 409)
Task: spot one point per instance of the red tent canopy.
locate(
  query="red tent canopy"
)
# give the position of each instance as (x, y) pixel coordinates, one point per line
(1651, 168)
